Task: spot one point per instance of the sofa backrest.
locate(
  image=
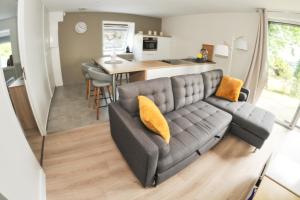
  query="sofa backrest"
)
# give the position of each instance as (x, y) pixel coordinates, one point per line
(212, 80)
(159, 90)
(187, 89)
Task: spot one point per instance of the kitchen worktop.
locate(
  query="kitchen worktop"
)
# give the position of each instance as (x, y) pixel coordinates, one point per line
(134, 66)
(156, 64)
(157, 69)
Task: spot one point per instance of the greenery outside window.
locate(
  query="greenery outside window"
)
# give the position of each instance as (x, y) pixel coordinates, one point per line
(284, 59)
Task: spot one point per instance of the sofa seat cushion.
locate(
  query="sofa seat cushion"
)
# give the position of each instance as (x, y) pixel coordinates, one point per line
(192, 127)
(254, 119)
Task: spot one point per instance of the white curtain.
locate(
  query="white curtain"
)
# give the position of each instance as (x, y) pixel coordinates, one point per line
(257, 75)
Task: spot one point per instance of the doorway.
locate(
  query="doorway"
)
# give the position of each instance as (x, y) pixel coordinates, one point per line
(281, 95)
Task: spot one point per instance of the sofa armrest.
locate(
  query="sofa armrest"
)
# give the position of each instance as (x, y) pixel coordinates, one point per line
(140, 152)
(163, 147)
(244, 94)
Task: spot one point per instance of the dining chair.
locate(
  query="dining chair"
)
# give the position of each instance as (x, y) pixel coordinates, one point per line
(100, 81)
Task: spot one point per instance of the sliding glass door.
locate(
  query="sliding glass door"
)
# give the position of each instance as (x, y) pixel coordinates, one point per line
(281, 95)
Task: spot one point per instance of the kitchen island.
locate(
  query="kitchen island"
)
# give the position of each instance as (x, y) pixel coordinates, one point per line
(146, 70)
(158, 69)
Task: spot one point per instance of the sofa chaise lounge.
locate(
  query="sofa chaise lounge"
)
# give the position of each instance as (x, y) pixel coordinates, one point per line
(197, 119)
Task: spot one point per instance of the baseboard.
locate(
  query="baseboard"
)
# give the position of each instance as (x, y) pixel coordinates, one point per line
(43, 195)
(48, 112)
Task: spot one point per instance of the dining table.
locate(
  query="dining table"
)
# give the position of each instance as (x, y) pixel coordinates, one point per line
(118, 66)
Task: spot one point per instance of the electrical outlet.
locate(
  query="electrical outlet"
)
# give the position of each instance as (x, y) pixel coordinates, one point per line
(2, 197)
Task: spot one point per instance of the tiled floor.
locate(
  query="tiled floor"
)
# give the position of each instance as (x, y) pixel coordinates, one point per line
(284, 107)
(69, 109)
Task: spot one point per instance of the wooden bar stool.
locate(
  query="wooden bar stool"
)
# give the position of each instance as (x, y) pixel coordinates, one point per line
(101, 82)
(84, 69)
(119, 77)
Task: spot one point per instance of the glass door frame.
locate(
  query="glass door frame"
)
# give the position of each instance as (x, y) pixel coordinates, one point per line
(295, 120)
(286, 123)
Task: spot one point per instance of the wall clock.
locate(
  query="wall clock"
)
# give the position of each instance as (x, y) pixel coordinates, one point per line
(80, 27)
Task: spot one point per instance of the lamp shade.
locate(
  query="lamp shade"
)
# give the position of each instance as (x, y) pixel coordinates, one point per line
(222, 50)
(241, 44)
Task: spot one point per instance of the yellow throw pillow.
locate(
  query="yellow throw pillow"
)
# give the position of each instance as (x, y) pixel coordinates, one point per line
(230, 88)
(153, 119)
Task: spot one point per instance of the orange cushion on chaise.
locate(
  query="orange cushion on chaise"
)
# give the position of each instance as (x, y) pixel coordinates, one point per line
(230, 88)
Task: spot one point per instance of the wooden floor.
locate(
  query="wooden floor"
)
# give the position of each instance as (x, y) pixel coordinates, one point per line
(85, 164)
(35, 141)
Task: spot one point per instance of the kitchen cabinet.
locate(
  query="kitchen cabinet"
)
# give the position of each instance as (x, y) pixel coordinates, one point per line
(19, 99)
(163, 50)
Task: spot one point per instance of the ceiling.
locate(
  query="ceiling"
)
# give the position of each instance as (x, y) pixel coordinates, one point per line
(8, 8)
(161, 8)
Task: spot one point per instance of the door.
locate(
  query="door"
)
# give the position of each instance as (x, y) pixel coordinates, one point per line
(31, 44)
(282, 93)
(21, 176)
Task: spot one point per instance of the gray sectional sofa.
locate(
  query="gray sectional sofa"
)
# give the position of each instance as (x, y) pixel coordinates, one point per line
(197, 119)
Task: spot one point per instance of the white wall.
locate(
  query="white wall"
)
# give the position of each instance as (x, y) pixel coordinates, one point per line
(11, 24)
(54, 19)
(32, 52)
(48, 56)
(21, 176)
(191, 31)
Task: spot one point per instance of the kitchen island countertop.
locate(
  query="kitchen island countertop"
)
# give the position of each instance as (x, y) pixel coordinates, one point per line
(146, 70)
(133, 66)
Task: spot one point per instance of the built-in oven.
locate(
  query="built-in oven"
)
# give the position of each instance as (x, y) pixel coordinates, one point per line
(149, 43)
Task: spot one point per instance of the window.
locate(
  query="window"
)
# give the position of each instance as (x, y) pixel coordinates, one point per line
(5, 48)
(117, 36)
(281, 95)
